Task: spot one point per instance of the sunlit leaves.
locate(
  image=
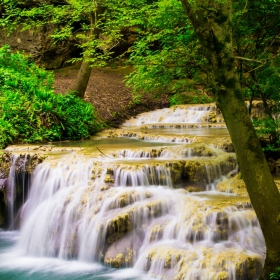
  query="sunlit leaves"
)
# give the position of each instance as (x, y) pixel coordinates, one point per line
(166, 53)
(29, 109)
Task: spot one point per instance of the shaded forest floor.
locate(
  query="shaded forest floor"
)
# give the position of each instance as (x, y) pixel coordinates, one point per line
(106, 90)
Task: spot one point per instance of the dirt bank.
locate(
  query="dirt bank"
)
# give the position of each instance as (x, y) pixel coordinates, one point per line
(107, 92)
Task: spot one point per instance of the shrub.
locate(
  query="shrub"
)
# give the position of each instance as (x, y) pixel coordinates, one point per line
(30, 111)
(268, 130)
(183, 98)
(275, 275)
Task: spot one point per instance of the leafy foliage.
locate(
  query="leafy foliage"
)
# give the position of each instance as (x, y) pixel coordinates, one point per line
(275, 275)
(30, 111)
(268, 129)
(166, 54)
(183, 98)
(71, 19)
(256, 37)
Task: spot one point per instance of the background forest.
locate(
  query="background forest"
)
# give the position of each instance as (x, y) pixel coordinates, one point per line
(164, 52)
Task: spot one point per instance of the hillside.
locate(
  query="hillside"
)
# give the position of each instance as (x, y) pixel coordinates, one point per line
(106, 90)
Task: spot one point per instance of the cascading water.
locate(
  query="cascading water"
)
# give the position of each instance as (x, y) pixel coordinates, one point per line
(129, 208)
(179, 114)
(17, 186)
(11, 192)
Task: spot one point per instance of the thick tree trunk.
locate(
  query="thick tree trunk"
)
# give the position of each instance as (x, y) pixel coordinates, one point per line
(212, 23)
(82, 79)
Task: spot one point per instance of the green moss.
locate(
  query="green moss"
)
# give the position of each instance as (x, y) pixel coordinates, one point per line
(231, 83)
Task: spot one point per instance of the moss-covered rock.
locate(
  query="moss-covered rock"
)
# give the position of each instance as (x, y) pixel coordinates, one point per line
(237, 186)
(205, 263)
(122, 253)
(132, 217)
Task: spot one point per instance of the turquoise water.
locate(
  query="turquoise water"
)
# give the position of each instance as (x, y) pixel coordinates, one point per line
(16, 266)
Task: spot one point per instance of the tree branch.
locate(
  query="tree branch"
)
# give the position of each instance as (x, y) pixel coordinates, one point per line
(250, 59)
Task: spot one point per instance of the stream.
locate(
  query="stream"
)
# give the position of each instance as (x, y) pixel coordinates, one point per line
(156, 199)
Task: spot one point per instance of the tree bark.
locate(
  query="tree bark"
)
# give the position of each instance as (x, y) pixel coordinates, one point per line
(82, 79)
(212, 23)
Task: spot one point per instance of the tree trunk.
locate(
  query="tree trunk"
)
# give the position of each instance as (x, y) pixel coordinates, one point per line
(82, 79)
(212, 24)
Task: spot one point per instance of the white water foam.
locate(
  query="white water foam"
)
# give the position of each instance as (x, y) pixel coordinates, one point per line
(69, 216)
(187, 114)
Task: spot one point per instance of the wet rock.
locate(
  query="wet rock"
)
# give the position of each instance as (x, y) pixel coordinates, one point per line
(166, 262)
(24, 149)
(233, 185)
(3, 183)
(5, 163)
(225, 145)
(212, 117)
(108, 178)
(237, 186)
(195, 187)
(127, 198)
(207, 171)
(133, 217)
(122, 253)
(176, 170)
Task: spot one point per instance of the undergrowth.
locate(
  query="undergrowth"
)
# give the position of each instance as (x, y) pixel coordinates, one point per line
(183, 98)
(30, 111)
(276, 274)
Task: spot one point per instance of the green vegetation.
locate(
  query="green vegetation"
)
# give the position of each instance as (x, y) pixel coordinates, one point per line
(269, 130)
(275, 275)
(256, 37)
(186, 98)
(169, 57)
(93, 24)
(30, 111)
(166, 56)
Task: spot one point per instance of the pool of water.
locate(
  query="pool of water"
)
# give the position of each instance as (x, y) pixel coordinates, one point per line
(14, 265)
(111, 143)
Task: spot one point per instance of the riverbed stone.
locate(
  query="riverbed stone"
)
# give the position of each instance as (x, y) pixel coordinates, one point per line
(237, 186)
(179, 264)
(122, 253)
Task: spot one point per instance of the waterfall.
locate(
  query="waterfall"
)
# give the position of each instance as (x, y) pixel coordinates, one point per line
(178, 114)
(17, 187)
(133, 208)
(75, 212)
(11, 191)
